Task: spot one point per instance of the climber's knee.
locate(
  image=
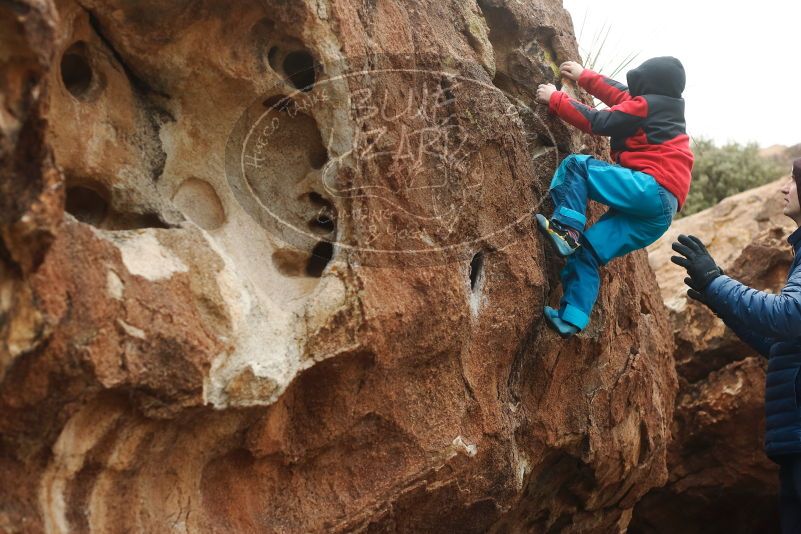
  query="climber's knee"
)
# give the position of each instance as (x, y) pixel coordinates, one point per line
(575, 164)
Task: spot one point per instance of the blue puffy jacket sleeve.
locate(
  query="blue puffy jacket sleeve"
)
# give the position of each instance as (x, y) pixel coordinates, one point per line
(765, 314)
(761, 344)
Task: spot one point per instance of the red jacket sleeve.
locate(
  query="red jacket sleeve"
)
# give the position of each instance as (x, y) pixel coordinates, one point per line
(604, 89)
(620, 120)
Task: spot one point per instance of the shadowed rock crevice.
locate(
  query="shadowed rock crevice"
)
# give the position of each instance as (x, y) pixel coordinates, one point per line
(88, 201)
(152, 101)
(137, 81)
(476, 269)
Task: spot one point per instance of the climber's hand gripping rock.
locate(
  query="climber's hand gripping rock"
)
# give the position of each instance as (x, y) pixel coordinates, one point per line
(571, 70)
(544, 92)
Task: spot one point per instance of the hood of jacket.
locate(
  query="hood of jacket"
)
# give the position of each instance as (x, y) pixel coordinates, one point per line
(657, 76)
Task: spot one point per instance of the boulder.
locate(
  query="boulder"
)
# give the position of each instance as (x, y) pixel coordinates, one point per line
(270, 267)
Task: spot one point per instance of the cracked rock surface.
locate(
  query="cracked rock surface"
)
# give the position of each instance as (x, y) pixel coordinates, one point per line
(270, 267)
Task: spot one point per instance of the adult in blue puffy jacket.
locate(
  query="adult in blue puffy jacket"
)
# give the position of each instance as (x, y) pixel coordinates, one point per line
(771, 324)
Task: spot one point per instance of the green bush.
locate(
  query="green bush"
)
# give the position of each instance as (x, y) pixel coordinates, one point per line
(723, 171)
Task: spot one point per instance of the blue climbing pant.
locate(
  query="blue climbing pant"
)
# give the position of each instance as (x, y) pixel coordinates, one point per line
(640, 211)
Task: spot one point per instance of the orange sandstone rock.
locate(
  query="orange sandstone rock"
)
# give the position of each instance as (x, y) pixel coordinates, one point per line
(270, 267)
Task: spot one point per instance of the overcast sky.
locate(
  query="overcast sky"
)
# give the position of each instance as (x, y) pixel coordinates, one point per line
(743, 59)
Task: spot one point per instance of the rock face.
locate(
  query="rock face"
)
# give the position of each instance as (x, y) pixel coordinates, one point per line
(720, 480)
(270, 267)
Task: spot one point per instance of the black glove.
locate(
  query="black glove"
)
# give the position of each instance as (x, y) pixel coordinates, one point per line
(699, 264)
(694, 293)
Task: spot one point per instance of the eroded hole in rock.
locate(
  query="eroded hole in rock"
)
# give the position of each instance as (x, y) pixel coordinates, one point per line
(501, 22)
(318, 156)
(198, 200)
(645, 444)
(76, 71)
(299, 67)
(324, 220)
(133, 221)
(272, 58)
(279, 103)
(323, 223)
(290, 262)
(78, 495)
(644, 309)
(287, 157)
(446, 107)
(86, 204)
(317, 199)
(91, 203)
(297, 263)
(320, 257)
(476, 267)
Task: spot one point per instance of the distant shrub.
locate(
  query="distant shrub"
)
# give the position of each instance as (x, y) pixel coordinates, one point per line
(723, 171)
(793, 152)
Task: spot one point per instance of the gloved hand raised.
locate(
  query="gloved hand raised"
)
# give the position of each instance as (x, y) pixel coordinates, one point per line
(694, 293)
(699, 264)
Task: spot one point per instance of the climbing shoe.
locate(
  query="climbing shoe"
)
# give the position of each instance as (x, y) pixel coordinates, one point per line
(563, 328)
(562, 239)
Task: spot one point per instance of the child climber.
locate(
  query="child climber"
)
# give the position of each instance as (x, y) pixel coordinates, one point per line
(645, 187)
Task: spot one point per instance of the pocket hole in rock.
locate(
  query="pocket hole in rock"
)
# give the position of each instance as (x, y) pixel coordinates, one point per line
(323, 223)
(142, 220)
(320, 256)
(644, 309)
(199, 201)
(290, 262)
(318, 158)
(272, 58)
(76, 71)
(86, 205)
(645, 444)
(317, 199)
(278, 103)
(299, 66)
(476, 266)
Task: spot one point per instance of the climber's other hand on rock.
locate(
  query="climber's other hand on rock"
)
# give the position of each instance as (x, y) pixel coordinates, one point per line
(571, 70)
(544, 92)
